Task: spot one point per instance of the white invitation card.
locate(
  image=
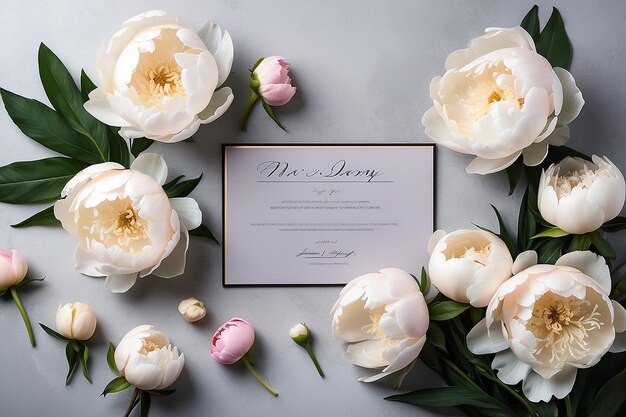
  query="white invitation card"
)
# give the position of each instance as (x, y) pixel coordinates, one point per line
(324, 214)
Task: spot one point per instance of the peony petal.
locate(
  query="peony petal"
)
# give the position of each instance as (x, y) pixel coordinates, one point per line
(99, 107)
(188, 211)
(510, 369)
(174, 264)
(86, 264)
(151, 164)
(535, 153)
(120, 283)
(367, 354)
(434, 239)
(220, 102)
(481, 340)
(404, 359)
(619, 318)
(524, 260)
(220, 45)
(489, 166)
(590, 264)
(572, 97)
(537, 388)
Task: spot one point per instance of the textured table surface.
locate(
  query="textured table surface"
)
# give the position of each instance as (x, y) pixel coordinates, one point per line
(362, 68)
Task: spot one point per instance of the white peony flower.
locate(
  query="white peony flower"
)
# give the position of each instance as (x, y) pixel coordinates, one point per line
(384, 318)
(579, 196)
(500, 99)
(147, 360)
(548, 321)
(158, 78)
(468, 266)
(124, 222)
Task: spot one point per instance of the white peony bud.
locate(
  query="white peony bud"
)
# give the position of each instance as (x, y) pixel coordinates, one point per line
(192, 309)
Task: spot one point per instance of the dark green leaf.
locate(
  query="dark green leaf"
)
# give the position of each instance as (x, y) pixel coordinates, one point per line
(270, 112)
(119, 148)
(139, 145)
(118, 384)
(553, 42)
(504, 234)
(84, 356)
(435, 336)
(45, 126)
(28, 280)
(190, 140)
(551, 250)
(530, 23)
(66, 98)
(454, 397)
(36, 181)
(477, 314)
(72, 357)
(527, 226)
(610, 398)
(111, 359)
(446, 310)
(615, 225)
(546, 409)
(173, 182)
(579, 242)
(53, 333)
(620, 288)
(183, 188)
(86, 85)
(602, 245)
(514, 172)
(43, 218)
(161, 392)
(144, 403)
(203, 231)
(424, 282)
(552, 232)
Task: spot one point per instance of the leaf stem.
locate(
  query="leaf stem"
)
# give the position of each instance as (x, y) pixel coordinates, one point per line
(568, 406)
(133, 402)
(511, 391)
(243, 121)
(20, 307)
(309, 350)
(246, 362)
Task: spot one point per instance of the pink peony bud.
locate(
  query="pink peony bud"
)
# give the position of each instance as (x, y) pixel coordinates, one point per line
(275, 85)
(13, 268)
(232, 341)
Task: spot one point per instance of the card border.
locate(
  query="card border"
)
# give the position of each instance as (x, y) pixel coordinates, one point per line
(309, 145)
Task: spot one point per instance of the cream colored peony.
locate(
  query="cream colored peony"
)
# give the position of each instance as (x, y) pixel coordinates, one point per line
(125, 224)
(500, 99)
(384, 317)
(579, 196)
(548, 321)
(468, 266)
(158, 78)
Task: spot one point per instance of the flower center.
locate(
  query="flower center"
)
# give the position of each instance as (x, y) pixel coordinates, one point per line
(148, 346)
(117, 223)
(164, 81)
(582, 179)
(480, 256)
(562, 326)
(374, 328)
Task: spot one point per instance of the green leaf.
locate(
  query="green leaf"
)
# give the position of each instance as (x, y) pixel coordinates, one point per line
(72, 357)
(530, 23)
(86, 85)
(620, 288)
(579, 242)
(203, 231)
(84, 356)
(615, 225)
(173, 182)
(435, 336)
(551, 250)
(118, 384)
(270, 112)
(610, 398)
(552, 232)
(144, 403)
(161, 392)
(119, 148)
(53, 333)
(111, 360)
(183, 188)
(424, 282)
(66, 98)
(526, 226)
(36, 181)
(43, 218)
(28, 280)
(553, 43)
(504, 234)
(602, 245)
(514, 172)
(446, 310)
(48, 128)
(455, 397)
(139, 145)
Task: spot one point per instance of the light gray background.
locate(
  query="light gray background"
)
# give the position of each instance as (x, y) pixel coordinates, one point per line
(362, 68)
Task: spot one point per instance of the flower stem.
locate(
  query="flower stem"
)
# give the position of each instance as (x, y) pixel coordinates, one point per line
(568, 407)
(133, 402)
(20, 307)
(309, 350)
(243, 122)
(246, 362)
(514, 393)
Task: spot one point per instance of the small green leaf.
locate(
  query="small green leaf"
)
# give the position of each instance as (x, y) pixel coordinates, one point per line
(553, 43)
(424, 282)
(203, 231)
(504, 234)
(36, 181)
(111, 360)
(53, 333)
(526, 226)
(84, 356)
(161, 392)
(144, 403)
(610, 398)
(270, 113)
(602, 245)
(615, 225)
(550, 250)
(72, 357)
(43, 218)
(119, 148)
(579, 242)
(435, 336)
(118, 384)
(139, 145)
(86, 85)
(552, 232)
(620, 288)
(173, 182)
(530, 23)
(183, 188)
(514, 173)
(446, 310)
(48, 128)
